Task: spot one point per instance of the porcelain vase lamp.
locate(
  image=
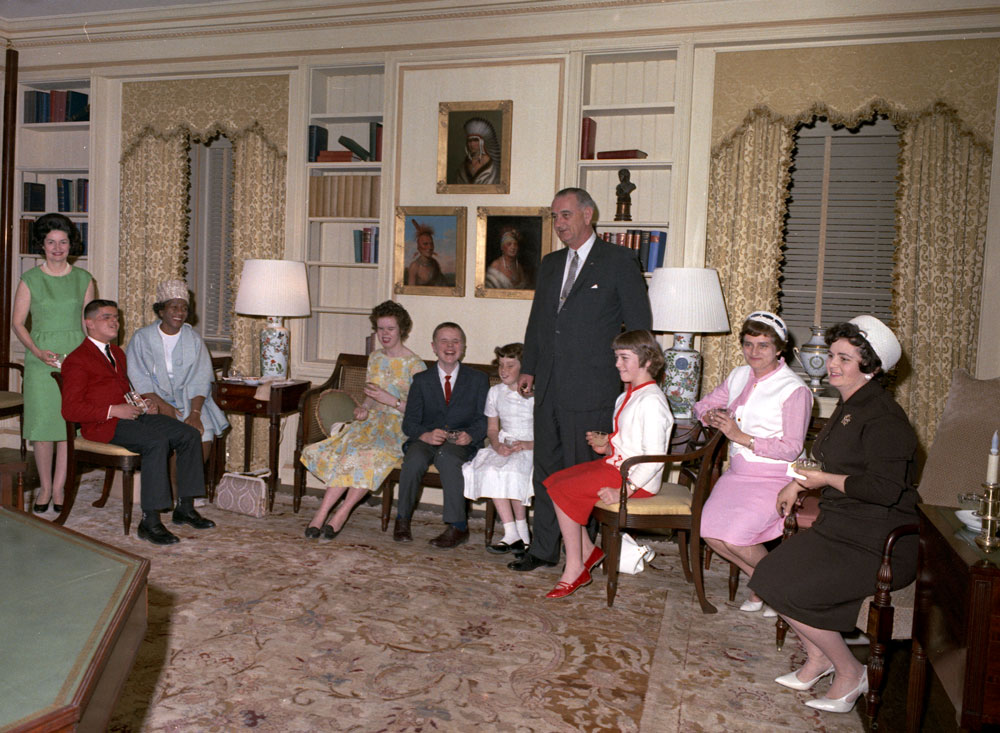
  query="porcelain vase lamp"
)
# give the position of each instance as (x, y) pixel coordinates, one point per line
(275, 289)
(685, 301)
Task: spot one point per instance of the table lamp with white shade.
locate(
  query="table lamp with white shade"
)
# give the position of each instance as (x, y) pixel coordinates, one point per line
(685, 301)
(276, 289)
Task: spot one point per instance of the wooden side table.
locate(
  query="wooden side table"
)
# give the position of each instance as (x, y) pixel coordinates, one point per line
(242, 398)
(956, 621)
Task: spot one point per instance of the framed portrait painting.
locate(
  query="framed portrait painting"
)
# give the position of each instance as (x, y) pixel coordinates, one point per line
(510, 244)
(474, 146)
(430, 250)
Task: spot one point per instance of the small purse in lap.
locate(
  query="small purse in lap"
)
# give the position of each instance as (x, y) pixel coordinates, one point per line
(242, 494)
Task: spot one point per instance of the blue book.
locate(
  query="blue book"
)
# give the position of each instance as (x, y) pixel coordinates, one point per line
(77, 107)
(654, 251)
(357, 245)
(318, 136)
(663, 249)
(375, 245)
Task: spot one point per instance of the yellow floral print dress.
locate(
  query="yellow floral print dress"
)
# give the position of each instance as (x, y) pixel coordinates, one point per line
(364, 453)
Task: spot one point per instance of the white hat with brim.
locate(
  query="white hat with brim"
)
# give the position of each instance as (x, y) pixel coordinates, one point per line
(881, 338)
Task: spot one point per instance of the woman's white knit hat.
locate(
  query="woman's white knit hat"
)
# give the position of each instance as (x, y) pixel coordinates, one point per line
(881, 338)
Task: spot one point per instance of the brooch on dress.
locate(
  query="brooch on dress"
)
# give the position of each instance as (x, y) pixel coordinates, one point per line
(845, 420)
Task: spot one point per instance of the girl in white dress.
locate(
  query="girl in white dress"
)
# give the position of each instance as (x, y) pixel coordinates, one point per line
(502, 471)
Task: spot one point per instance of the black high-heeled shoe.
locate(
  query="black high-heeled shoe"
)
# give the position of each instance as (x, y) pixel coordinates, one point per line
(329, 532)
(57, 508)
(312, 533)
(41, 508)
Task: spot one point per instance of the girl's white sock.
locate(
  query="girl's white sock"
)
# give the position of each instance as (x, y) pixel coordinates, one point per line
(510, 535)
(522, 530)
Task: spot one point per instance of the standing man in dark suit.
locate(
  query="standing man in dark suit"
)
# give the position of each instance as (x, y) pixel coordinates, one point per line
(584, 294)
(445, 424)
(95, 382)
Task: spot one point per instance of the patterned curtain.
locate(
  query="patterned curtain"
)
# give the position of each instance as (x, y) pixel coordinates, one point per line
(258, 233)
(158, 121)
(747, 189)
(941, 238)
(153, 227)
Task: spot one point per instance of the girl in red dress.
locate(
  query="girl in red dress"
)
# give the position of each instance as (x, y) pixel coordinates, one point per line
(642, 425)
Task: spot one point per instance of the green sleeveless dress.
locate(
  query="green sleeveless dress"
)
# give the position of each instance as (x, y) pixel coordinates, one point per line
(56, 309)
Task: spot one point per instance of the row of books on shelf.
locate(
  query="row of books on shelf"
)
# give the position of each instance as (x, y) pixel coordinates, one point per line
(72, 195)
(649, 245)
(25, 236)
(366, 245)
(350, 196)
(56, 106)
(588, 141)
(351, 151)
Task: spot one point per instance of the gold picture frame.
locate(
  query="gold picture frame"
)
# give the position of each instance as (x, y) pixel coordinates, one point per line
(528, 229)
(489, 126)
(441, 271)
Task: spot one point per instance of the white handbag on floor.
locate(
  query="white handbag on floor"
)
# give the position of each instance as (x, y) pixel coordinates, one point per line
(633, 556)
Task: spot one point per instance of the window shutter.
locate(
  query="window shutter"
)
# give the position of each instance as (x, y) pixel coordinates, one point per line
(856, 230)
(210, 243)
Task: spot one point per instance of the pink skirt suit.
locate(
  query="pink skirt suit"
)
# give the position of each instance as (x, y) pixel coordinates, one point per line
(775, 409)
(642, 426)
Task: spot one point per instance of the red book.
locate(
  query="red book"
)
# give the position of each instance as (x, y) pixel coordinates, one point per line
(620, 239)
(57, 106)
(588, 134)
(630, 153)
(366, 245)
(336, 156)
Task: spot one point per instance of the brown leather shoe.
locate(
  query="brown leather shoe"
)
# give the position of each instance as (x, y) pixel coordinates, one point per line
(451, 537)
(401, 531)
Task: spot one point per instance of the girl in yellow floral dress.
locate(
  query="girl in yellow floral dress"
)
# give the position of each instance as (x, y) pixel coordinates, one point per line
(357, 459)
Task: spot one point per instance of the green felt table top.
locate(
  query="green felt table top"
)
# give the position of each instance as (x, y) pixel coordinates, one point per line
(59, 592)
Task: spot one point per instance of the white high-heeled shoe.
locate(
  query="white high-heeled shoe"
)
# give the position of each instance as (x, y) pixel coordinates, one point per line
(751, 606)
(792, 682)
(843, 704)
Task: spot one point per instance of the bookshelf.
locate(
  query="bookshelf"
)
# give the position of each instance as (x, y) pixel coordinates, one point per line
(343, 198)
(630, 96)
(48, 153)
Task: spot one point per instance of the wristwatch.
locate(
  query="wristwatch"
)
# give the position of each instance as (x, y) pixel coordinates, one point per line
(398, 403)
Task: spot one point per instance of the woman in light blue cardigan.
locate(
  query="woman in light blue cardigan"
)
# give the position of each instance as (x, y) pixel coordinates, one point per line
(169, 364)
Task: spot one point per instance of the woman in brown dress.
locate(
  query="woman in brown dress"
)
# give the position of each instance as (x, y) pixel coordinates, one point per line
(818, 578)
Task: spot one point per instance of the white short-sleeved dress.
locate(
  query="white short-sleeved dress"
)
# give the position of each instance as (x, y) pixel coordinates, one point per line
(504, 477)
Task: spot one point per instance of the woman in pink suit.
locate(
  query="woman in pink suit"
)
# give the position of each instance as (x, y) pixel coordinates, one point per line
(763, 408)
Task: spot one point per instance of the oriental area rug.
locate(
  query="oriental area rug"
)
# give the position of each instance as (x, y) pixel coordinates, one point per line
(253, 627)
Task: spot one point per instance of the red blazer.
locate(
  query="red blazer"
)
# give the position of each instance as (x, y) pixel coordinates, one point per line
(90, 387)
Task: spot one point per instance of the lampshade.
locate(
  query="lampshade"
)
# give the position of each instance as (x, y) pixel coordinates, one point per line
(687, 300)
(273, 288)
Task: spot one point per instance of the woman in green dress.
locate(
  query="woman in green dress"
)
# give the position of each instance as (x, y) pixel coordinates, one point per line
(53, 294)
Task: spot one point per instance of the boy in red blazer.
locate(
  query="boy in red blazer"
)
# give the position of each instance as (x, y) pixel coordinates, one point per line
(95, 382)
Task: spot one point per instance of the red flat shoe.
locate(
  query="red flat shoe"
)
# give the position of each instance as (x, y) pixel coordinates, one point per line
(595, 559)
(564, 589)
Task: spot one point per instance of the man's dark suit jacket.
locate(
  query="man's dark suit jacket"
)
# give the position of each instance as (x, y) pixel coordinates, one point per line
(575, 342)
(90, 386)
(426, 409)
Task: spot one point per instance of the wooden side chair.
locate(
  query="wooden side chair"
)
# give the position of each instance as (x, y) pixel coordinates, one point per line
(12, 403)
(677, 506)
(111, 457)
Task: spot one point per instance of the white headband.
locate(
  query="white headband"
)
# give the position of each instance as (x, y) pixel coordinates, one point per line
(769, 319)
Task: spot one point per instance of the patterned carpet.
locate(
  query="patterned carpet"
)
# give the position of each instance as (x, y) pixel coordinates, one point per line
(253, 627)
